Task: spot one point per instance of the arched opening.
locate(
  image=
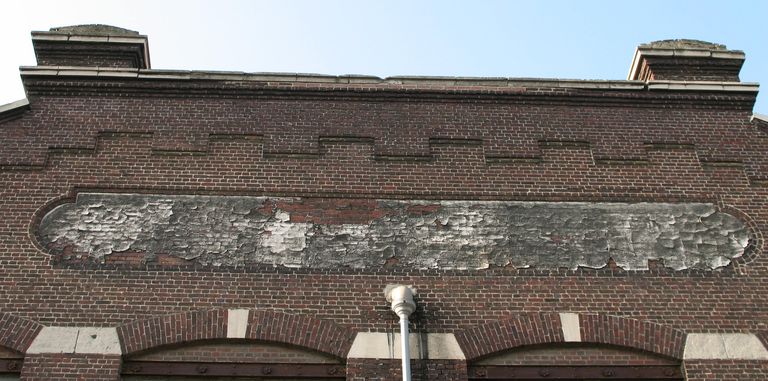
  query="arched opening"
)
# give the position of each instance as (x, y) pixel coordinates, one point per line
(232, 360)
(575, 362)
(10, 364)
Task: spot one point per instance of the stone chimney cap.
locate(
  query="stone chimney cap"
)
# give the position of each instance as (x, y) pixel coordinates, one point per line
(683, 43)
(95, 30)
(685, 60)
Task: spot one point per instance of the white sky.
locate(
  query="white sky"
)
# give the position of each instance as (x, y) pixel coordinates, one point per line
(586, 39)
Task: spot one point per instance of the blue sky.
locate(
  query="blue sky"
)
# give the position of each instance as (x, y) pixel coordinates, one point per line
(546, 39)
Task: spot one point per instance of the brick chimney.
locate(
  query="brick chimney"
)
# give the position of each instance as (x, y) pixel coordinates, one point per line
(93, 45)
(686, 60)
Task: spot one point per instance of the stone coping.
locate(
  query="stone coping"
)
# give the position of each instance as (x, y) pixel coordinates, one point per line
(760, 117)
(57, 36)
(14, 105)
(422, 82)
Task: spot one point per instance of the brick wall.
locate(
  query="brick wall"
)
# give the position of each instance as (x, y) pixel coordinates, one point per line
(726, 370)
(125, 162)
(366, 142)
(390, 370)
(61, 367)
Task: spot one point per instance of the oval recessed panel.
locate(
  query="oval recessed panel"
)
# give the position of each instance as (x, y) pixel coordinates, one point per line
(361, 234)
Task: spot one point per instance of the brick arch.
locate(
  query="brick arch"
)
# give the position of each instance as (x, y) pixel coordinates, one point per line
(545, 328)
(37, 217)
(17, 333)
(632, 333)
(299, 330)
(272, 326)
(757, 244)
(763, 336)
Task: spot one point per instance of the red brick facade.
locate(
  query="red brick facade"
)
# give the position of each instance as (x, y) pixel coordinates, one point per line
(338, 144)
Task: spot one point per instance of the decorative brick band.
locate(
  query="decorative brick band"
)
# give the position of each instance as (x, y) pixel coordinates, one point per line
(539, 151)
(531, 329)
(17, 333)
(270, 326)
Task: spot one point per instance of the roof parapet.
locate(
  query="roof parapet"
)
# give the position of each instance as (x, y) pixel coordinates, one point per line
(93, 45)
(444, 84)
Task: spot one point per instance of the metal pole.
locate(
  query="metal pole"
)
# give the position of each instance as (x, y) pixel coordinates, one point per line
(405, 346)
(403, 305)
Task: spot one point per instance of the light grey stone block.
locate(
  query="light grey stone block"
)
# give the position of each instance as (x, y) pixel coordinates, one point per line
(237, 323)
(724, 346)
(98, 341)
(378, 345)
(571, 326)
(55, 340)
